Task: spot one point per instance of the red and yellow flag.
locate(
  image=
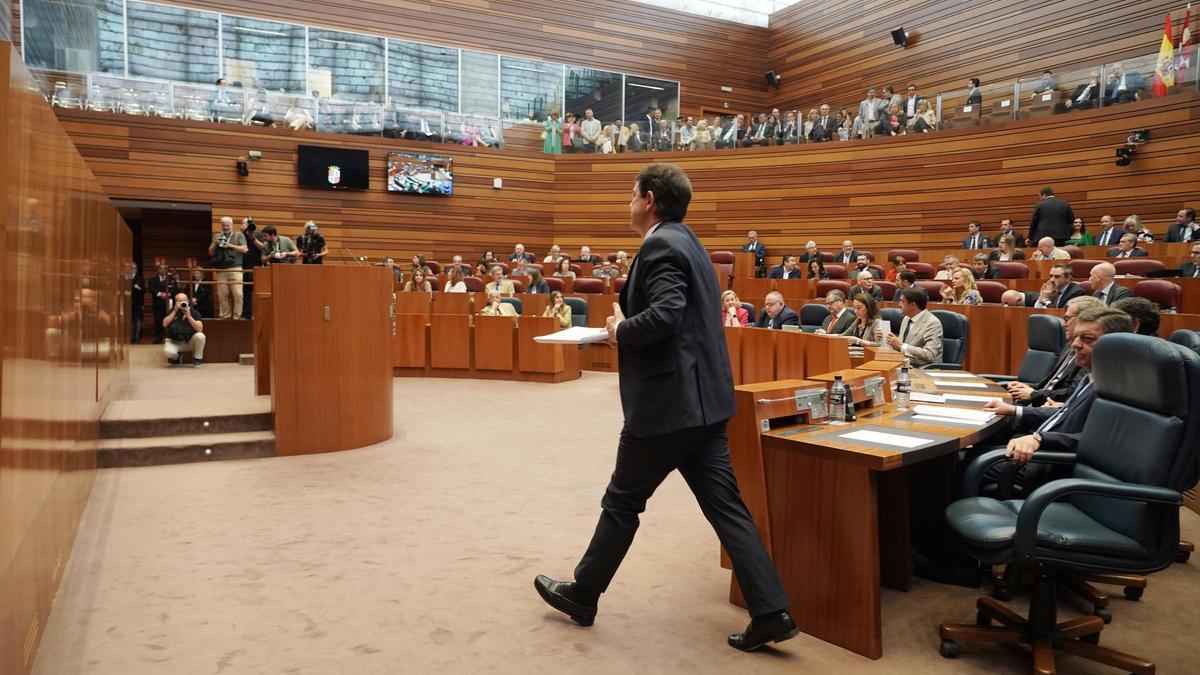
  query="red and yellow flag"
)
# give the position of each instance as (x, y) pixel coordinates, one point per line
(1185, 48)
(1164, 71)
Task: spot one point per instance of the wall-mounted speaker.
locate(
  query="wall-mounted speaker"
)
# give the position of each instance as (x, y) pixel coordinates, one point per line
(771, 78)
(900, 37)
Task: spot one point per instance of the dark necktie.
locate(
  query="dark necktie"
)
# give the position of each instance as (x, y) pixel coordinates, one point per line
(904, 333)
(1081, 390)
(1062, 371)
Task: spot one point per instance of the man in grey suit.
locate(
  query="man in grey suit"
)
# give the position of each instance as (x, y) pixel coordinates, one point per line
(1104, 287)
(920, 337)
(677, 396)
(869, 112)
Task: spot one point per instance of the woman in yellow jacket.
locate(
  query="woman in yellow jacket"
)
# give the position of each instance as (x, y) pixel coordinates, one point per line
(559, 308)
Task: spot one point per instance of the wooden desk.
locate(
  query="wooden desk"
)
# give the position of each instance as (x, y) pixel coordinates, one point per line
(226, 339)
(743, 265)
(410, 344)
(453, 303)
(493, 348)
(450, 341)
(834, 511)
(494, 340)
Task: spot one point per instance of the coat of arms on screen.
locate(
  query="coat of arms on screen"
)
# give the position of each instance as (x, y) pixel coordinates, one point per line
(335, 174)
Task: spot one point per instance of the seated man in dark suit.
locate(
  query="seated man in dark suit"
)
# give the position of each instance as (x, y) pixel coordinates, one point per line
(1127, 248)
(906, 279)
(787, 270)
(1145, 314)
(840, 316)
(776, 314)
(753, 245)
(811, 252)
(975, 238)
(982, 267)
(1012, 298)
(1066, 373)
(1084, 96)
(1192, 268)
(1059, 289)
(1185, 228)
(825, 128)
(866, 285)
(1104, 286)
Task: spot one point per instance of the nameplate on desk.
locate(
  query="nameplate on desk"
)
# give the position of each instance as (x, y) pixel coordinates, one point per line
(899, 440)
(1047, 96)
(1005, 103)
(967, 108)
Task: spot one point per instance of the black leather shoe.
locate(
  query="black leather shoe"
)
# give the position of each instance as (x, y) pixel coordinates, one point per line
(775, 627)
(565, 597)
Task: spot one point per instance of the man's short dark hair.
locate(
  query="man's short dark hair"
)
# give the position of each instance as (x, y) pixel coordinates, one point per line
(907, 275)
(1112, 320)
(1047, 192)
(1066, 269)
(915, 295)
(789, 257)
(1144, 312)
(976, 223)
(270, 231)
(671, 187)
(1191, 213)
(974, 81)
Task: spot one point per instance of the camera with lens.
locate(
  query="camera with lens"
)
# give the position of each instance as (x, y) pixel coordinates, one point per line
(250, 226)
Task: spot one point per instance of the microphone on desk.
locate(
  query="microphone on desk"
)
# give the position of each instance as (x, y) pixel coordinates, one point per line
(352, 256)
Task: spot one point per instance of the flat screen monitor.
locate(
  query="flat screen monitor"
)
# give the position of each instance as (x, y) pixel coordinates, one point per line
(332, 168)
(419, 174)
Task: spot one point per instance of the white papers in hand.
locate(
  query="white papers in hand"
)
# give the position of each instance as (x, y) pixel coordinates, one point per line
(898, 440)
(575, 335)
(980, 416)
(921, 397)
(969, 385)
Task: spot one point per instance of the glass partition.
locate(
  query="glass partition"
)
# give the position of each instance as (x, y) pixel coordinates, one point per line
(480, 83)
(263, 54)
(422, 76)
(172, 43)
(85, 36)
(1057, 93)
(978, 104)
(346, 66)
(473, 130)
(643, 93)
(529, 90)
(597, 90)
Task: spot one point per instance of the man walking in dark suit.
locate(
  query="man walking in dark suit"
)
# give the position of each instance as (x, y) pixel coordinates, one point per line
(162, 289)
(1052, 217)
(677, 396)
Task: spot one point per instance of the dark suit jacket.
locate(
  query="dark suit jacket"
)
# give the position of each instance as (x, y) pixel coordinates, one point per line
(805, 257)
(884, 126)
(1065, 435)
(974, 96)
(674, 364)
(1118, 292)
(1133, 82)
(1136, 252)
(984, 242)
(1094, 94)
(759, 251)
(843, 257)
(513, 257)
(777, 273)
(201, 301)
(1188, 269)
(1109, 238)
(821, 133)
(157, 286)
(785, 317)
(989, 273)
(875, 292)
(840, 325)
(904, 105)
(1175, 233)
(1051, 218)
(1071, 290)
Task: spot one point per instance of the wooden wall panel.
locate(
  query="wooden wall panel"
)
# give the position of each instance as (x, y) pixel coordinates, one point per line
(833, 51)
(64, 328)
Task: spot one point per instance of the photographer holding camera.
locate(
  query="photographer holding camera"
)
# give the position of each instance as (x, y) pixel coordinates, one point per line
(252, 259)
(278, 248)
(184, 332)
(312, 245)
(226, 250)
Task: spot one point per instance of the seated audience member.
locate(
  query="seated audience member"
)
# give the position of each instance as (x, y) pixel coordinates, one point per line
(906, 279)
(1006, 249)
(789, 130)
(1046, 250)
(732, 312)
(418, 282)
(840, 315)
(1061, 380)
(728, 136)
(899, 264)
(811, 252)
(1104, 287)
(1145, 314)
(558, 308)
(297, 118)
(920, 337)
(847, 255)
(537, 284)
(1127, 248)
(1012, 298)
(1185, 229)
(1079, 234)
(982, 267)
(521, 269)
(201, 294)
(495, 307)
(1006, 228)
(1122, 86)
(925, 120)
(1133, 225)
(457, 261)
(1084, 96)
(810, 123)
(962, 290)
(1057, 428)
(605, 145)
(845, 124)
(1059, 288)
(553, 256)
(787, 270)
(893, 122)
(184, 332)
(776, 314)
(277, 248)
(862, 264)
(703, 140)
(520, 254)
(1048, 83)
(761, 132)
(866, 286)
(1192, 267)
(635, 142)
(585, 255)
(949, 264)
(397, 274)
(824, 127)
(484, 265)
(499, 283)
(867, 328)
(816, 269)
(606, 270)
(563, 269)
(753, 245)
(975, 237)
(455, 281)
(418, 264)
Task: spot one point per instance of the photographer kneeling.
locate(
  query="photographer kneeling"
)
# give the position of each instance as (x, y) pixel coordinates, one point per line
(184, 332)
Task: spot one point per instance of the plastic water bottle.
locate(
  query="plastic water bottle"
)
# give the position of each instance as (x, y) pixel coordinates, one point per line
(837, 401)
(903, 390)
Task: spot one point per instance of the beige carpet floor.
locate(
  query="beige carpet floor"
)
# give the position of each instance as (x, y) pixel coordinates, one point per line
(417, 556)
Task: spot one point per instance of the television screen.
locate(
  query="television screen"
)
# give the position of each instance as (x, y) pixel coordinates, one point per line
(419, 174)
(332, 168)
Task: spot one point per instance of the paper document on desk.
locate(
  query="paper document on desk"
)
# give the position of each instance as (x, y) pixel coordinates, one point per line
(954, 413)
(938, 419)
(921, 397)
(898, 440)
(950, 374)
(575, 335)
(969, 385)
(969, 398)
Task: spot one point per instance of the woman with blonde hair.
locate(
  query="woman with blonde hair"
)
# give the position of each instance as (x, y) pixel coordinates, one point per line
(962, 289)
(559, 308)
(703, 139)
(418, 282)
(732, 312)
(924, 120)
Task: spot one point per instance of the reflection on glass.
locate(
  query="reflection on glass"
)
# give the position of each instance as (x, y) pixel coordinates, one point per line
(643, 93)
(480, 83)
(85, 36)
(422, 76)
(595, 89)
(263, 54)
(172, 43)
(346, 66)
(529, 89)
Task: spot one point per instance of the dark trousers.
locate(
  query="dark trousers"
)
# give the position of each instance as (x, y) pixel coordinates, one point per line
(160, 313)
(701, 454)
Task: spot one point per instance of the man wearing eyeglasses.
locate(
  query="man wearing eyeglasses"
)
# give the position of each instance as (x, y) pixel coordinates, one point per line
(1059, 289)
(776, 314)
(1192, 268)
(840, 317)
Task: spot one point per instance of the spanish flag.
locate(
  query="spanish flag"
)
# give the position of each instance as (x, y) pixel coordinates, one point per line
(1164, 72)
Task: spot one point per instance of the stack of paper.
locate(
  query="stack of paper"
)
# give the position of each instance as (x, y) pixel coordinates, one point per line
(959, 383)
(922, 397)
(575, 335)
(952, 415)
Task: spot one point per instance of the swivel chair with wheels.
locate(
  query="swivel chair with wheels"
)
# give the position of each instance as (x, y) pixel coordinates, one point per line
(1118, 510)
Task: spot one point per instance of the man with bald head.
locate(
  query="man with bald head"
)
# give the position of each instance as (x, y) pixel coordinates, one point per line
(1104, 287)
(1046, 250)
(776, 314)
(847, 255)
(1109, 233)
